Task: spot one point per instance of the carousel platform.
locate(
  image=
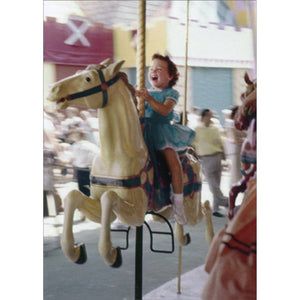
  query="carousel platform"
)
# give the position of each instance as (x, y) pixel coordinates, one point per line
(192, 284)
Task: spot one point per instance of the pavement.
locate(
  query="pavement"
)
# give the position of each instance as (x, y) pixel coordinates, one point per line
(191, 286)
(94, 280)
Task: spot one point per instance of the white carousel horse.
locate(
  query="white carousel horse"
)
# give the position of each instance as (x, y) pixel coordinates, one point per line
(122, 174)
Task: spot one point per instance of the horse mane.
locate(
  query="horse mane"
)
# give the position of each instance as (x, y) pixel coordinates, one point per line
(124, 77)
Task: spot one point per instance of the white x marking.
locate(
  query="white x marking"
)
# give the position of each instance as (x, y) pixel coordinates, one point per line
(78, 33)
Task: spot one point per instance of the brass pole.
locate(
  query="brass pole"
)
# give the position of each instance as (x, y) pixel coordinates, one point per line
(179, 270)
(184, 122)
(184, 119)
(140, 60)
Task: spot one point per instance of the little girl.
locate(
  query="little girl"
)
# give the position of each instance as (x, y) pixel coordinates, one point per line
(166, 137)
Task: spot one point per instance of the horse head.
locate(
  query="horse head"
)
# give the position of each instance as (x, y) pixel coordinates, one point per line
(247, 112)
(87, 88)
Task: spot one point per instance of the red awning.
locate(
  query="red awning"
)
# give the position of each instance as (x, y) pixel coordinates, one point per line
(77, 42)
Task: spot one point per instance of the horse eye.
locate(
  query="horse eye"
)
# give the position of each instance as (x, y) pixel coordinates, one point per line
(88, 79)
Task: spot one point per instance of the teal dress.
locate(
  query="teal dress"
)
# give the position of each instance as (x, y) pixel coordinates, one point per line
(161, 132)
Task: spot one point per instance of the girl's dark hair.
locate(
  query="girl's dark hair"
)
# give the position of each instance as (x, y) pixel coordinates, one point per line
(172, 69)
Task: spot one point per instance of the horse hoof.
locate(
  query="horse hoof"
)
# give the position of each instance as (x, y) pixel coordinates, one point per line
(118, 261)
(83, 257)
(188, 239)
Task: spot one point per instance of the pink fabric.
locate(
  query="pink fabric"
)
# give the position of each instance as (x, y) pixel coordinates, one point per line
(231, 260)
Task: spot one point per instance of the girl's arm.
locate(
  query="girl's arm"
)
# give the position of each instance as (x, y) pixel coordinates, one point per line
(162, 108)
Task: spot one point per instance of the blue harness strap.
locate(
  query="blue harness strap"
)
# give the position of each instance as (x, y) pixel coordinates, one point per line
(97, 89)
(131, 182)
(105, 181)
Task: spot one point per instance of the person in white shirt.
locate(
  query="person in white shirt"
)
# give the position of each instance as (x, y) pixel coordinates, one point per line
(209, 146)
(83, 154)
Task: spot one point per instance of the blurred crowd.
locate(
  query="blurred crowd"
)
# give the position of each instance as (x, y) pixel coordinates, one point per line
(218, 147)
(71, 141)
(232, 138)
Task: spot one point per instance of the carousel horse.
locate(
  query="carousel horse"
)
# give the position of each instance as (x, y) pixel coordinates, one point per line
(122, 174)
(245, 119)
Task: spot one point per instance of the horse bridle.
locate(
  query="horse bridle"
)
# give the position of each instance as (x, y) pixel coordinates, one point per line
(97, 89)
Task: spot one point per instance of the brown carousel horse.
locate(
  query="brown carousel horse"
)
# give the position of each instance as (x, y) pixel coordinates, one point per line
(245, 119)
(122, 174)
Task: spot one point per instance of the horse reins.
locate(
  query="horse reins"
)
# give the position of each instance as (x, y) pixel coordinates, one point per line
(97, 89)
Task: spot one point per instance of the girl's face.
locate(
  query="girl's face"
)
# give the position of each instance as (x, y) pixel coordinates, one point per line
(158, 74)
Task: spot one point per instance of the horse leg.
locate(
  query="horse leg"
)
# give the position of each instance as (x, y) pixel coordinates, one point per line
(167, 213)
(184, 240)
(76, 200)
(112, 256)
(181, 238)
(128, 213)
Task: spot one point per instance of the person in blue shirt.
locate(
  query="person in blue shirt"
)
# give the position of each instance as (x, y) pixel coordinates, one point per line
(169, 138)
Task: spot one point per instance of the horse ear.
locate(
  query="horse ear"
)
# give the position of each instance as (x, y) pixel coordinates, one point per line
(115, 67)
(106, 62)
(92, 67)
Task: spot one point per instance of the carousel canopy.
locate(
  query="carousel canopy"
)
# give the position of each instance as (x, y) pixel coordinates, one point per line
(125, 12)
(108, 13)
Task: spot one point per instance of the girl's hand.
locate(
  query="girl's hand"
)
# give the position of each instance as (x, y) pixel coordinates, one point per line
(142, 93)
(162, 108)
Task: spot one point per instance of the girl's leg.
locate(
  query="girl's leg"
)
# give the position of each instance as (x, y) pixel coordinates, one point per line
(175, 168)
